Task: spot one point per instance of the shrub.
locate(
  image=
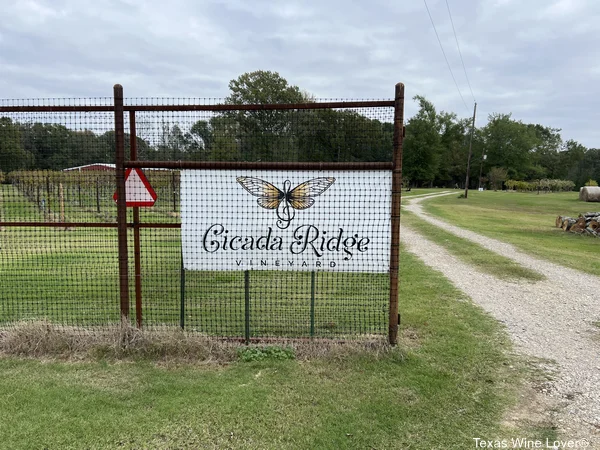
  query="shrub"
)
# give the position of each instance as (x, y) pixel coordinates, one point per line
(249, 354)
(591, 182)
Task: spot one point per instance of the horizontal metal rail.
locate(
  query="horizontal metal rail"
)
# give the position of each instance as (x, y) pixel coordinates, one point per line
(247, 165)
(87, 224)
(18, 109)
(266, 107)
(221, 107)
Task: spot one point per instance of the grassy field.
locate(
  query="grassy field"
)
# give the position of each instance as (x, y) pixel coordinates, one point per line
(72, 278)
(471, 253)
(451, 379)
(527, 221)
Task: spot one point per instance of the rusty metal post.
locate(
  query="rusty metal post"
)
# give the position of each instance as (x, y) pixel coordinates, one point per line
(121, 200)
(136, 229)
(394, 319)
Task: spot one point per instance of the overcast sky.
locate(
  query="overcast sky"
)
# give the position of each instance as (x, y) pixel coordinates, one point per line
(539, 59)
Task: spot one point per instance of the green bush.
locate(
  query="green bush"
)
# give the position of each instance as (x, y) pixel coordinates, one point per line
(591, 182)
(248, 354)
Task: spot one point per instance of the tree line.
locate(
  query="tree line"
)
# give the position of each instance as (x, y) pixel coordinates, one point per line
(434, 154)
(436, 151)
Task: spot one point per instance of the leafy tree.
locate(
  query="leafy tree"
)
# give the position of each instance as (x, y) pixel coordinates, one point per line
(281, 135)
(545, 158)
(264, 135)
(422, 144)
(508, 144)
(328, 135)
(263, 87)
(201, 139)
(573, 157)
(12, 154)
(46, 140)
(587, 168)
(496, 176)
(224, 145)
(453, 149)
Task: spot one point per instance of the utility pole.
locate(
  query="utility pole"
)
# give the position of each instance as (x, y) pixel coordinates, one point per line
(483, 158)
(470, 151)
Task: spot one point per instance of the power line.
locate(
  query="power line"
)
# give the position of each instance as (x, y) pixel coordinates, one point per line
(445, 57)
(459, 52)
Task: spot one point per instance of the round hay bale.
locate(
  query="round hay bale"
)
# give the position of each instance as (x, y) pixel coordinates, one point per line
(590, 194)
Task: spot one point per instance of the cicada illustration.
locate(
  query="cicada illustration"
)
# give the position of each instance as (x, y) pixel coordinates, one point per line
(288, 200)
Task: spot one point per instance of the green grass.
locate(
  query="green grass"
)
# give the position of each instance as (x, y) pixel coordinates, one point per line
(71, 277)
(450, 380)
(471, 253)
(526, 220)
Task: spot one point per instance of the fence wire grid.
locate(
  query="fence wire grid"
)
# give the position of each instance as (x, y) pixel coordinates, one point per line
(59, 250)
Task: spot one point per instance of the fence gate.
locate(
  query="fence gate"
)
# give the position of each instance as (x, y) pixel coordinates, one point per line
(277, 220)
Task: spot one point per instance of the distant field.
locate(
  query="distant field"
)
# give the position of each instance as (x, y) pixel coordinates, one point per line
(525, 220)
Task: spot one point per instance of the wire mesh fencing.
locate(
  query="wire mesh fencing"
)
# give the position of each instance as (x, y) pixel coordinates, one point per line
(269, 220)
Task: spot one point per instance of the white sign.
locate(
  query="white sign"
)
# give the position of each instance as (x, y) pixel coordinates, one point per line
(138, 191)
(282, 220)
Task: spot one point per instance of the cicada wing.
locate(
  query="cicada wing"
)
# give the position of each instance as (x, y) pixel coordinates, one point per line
(269, 195)
(301, 196)
(259, 188)
(269, 202)
(302, 202)
(311, 188)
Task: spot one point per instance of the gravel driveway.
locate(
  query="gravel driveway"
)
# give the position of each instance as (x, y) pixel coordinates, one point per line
(551, 319)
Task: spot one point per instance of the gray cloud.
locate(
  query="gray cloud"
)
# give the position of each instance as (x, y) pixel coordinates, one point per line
(536, 59)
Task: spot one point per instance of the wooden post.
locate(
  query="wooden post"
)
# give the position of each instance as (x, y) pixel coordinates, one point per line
(61, 202)
(98, 194)
(121, 201)
(48, 209)
(394, 318)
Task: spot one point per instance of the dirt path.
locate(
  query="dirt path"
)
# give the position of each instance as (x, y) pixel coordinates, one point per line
(551, 319)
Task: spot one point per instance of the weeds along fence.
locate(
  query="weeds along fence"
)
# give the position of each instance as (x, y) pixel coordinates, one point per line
(270, 220)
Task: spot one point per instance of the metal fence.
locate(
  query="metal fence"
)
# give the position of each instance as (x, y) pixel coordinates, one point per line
(72, 255)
